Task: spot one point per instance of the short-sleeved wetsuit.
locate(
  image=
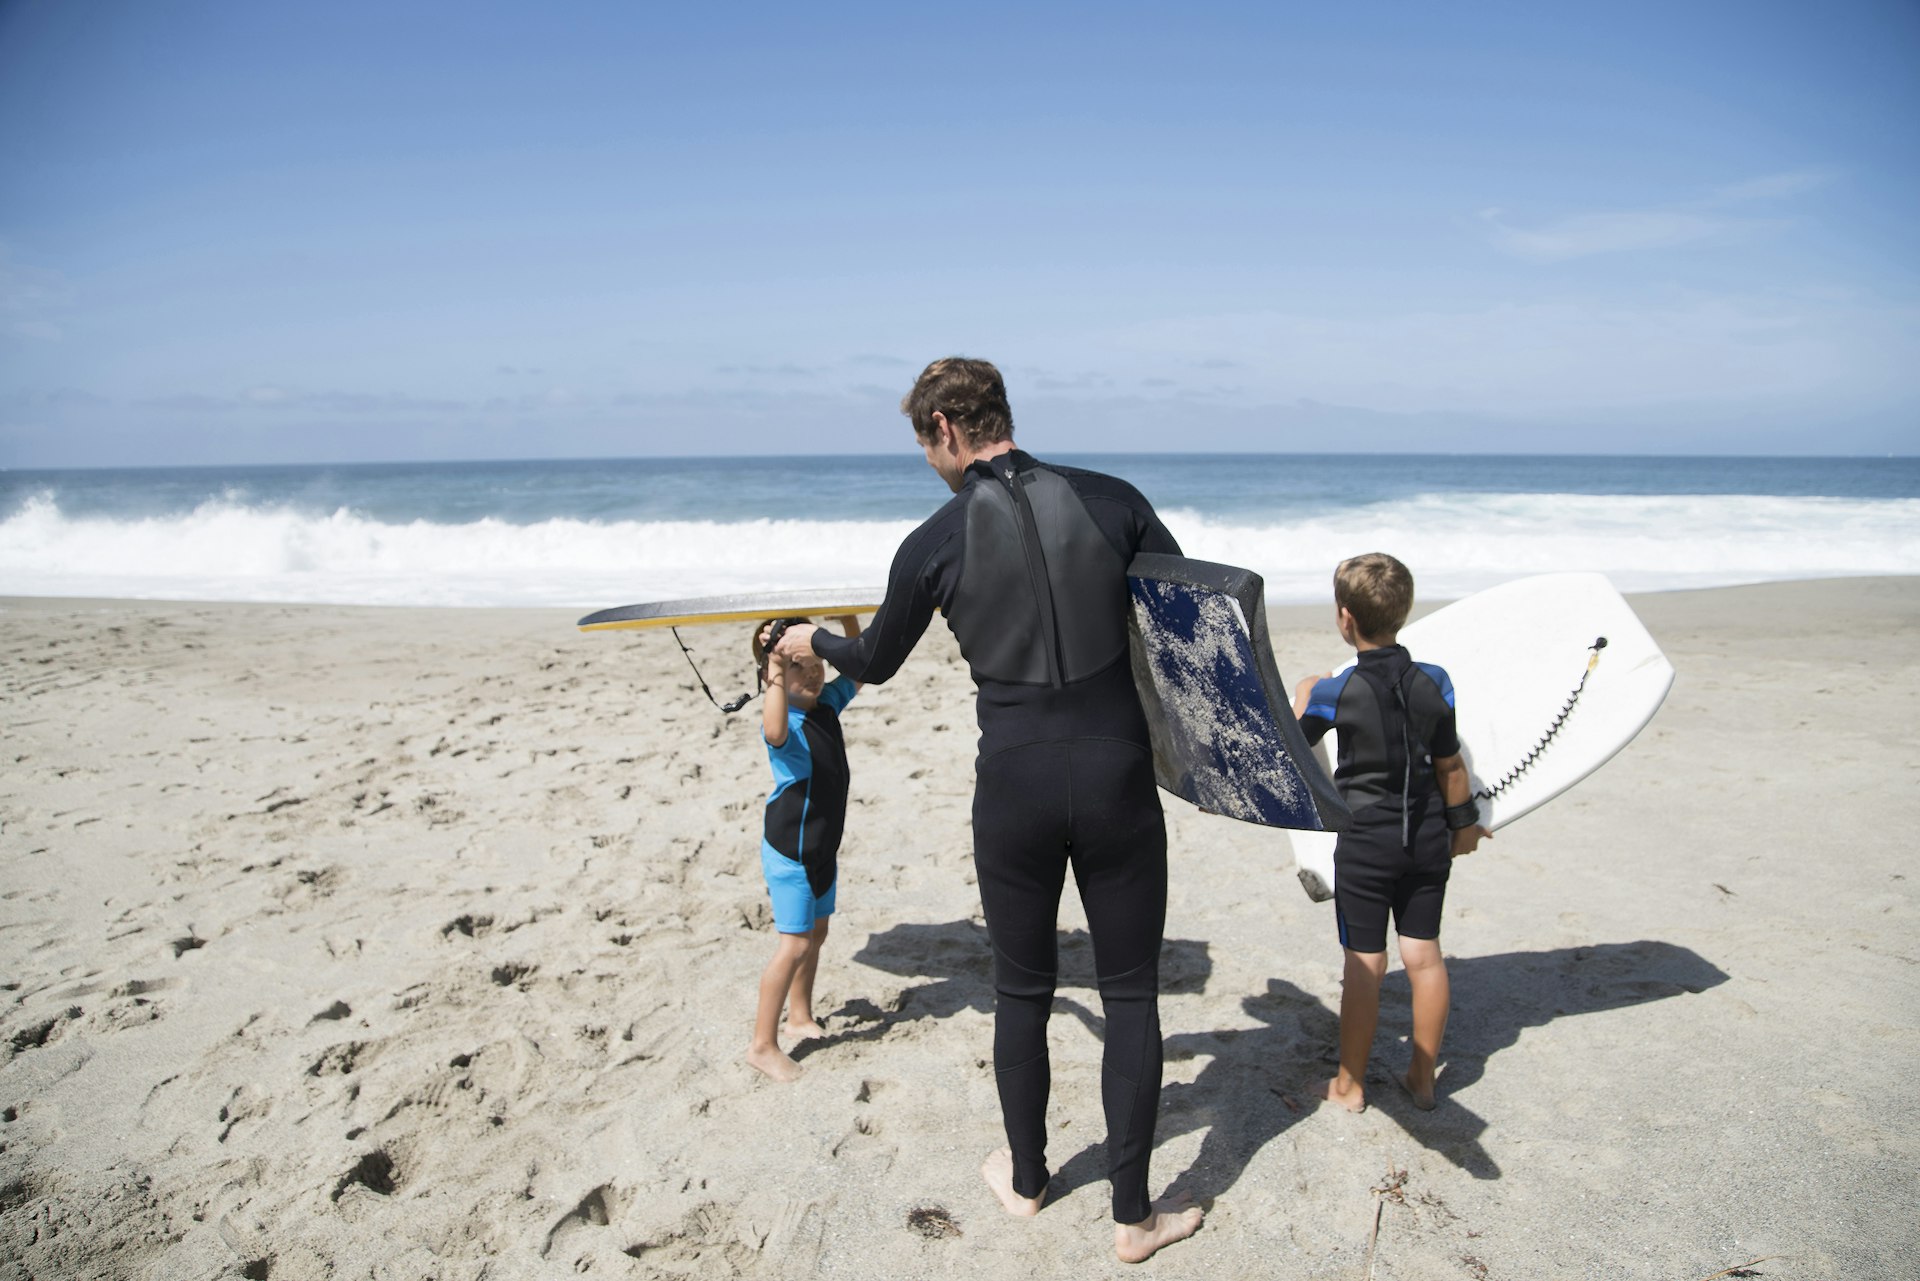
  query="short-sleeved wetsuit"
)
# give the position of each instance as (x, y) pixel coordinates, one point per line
(1394, 716)
(1028, 562)
(807, 812)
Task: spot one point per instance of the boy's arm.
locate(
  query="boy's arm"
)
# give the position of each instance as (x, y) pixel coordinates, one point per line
(1456, 793)
(773, 708)
(1303, 693)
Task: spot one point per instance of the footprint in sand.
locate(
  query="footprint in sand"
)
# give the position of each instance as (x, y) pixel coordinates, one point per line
(247, 1103)
(376, 1172)
(597, 1209)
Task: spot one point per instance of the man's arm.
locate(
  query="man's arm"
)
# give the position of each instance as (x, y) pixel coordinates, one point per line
(876, 654)
(850, 628)
(1456, 793)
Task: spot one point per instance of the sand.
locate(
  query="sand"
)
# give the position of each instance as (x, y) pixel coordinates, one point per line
(417, 943)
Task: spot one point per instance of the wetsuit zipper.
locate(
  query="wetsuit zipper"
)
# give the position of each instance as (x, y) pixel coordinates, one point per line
(1036, 574)
(1406, 765)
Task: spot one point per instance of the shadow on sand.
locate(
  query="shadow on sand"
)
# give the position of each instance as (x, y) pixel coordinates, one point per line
(1258, 1081)
(956, 960)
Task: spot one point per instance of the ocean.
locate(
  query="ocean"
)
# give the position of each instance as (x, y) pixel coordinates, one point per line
(594, 533)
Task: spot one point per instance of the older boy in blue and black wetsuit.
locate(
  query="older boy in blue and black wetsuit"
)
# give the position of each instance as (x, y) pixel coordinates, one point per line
(799, 851)
(1401, 773)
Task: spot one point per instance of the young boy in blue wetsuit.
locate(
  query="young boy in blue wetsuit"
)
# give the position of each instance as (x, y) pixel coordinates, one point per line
(1401, 773)
(806, 813)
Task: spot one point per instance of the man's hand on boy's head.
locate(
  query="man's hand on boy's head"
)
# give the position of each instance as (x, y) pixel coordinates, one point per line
(796, 641)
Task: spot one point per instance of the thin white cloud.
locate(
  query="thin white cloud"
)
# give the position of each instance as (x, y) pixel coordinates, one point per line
(1772, 187)
(1547, 355)
(1585, 235)
(1719, 214)
(278, 398)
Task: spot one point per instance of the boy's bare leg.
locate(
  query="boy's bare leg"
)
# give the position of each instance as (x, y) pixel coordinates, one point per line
(801, 1025)
(764, 1052)
(1173, 1219)
(998, 1172)
(1432, 997)
(1359, 1015)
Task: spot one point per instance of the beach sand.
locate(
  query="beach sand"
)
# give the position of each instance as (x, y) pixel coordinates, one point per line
(423, 943)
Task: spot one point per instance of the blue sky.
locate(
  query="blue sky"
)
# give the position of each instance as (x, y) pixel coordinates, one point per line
(259, 233)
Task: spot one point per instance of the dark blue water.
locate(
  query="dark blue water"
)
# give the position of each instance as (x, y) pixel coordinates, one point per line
(899, 487)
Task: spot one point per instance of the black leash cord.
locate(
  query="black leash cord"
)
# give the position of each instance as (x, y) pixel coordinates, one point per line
(1488, 793)
(729, 707)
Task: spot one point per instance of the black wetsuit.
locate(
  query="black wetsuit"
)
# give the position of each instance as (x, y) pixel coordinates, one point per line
(1028, 563)
(1394, 716)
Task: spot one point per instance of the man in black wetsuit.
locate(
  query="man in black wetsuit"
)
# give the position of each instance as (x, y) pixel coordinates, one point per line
(1028, 563)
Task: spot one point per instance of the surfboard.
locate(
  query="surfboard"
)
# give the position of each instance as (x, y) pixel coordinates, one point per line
(1552, 676)
(740, 607)
(1224, 735)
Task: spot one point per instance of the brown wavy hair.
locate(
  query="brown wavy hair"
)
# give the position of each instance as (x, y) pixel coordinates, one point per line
(970, 393)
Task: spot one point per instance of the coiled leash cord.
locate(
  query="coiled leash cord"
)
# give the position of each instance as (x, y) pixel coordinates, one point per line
(1488, 793)
(733, 705)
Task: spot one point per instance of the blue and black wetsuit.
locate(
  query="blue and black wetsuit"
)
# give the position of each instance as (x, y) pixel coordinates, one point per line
(1394, 716)
(1029, 564)
(807, 812)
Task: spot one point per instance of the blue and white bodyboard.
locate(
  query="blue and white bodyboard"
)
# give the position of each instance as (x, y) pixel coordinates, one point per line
(1224, 735)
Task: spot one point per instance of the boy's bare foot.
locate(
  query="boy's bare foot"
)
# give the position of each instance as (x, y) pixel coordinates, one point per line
(808, 1031)
(997, 1170)
(774, 1063)
(1422, 1099)
(1174, 1219)
(1353, 1098)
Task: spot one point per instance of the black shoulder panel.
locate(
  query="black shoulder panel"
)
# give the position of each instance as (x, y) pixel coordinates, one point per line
(994, 615)
(1088, 578)
(1042, 597)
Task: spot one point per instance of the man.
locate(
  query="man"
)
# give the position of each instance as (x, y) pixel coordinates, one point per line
(1028, 562)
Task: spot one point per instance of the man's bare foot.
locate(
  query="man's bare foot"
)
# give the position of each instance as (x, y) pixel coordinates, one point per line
(808, 1031)
(1174, 1219)
(1353, 1098)
(775, 1063)
(1422, 1099)
(997, 1170)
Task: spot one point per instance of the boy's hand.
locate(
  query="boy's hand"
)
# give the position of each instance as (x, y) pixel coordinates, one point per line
(1467, 839)
(1303, 693)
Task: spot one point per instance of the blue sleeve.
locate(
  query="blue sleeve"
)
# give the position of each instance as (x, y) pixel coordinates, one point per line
(792, 759)
(838, 693)
(1321, 705)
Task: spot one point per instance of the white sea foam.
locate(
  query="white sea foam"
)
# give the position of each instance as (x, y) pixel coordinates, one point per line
(1457, 543)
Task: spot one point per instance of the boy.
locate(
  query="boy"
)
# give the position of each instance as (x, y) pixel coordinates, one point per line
(1413, 813)
(806, 813)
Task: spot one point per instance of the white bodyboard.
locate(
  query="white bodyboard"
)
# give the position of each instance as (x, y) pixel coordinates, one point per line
(1516, 654)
